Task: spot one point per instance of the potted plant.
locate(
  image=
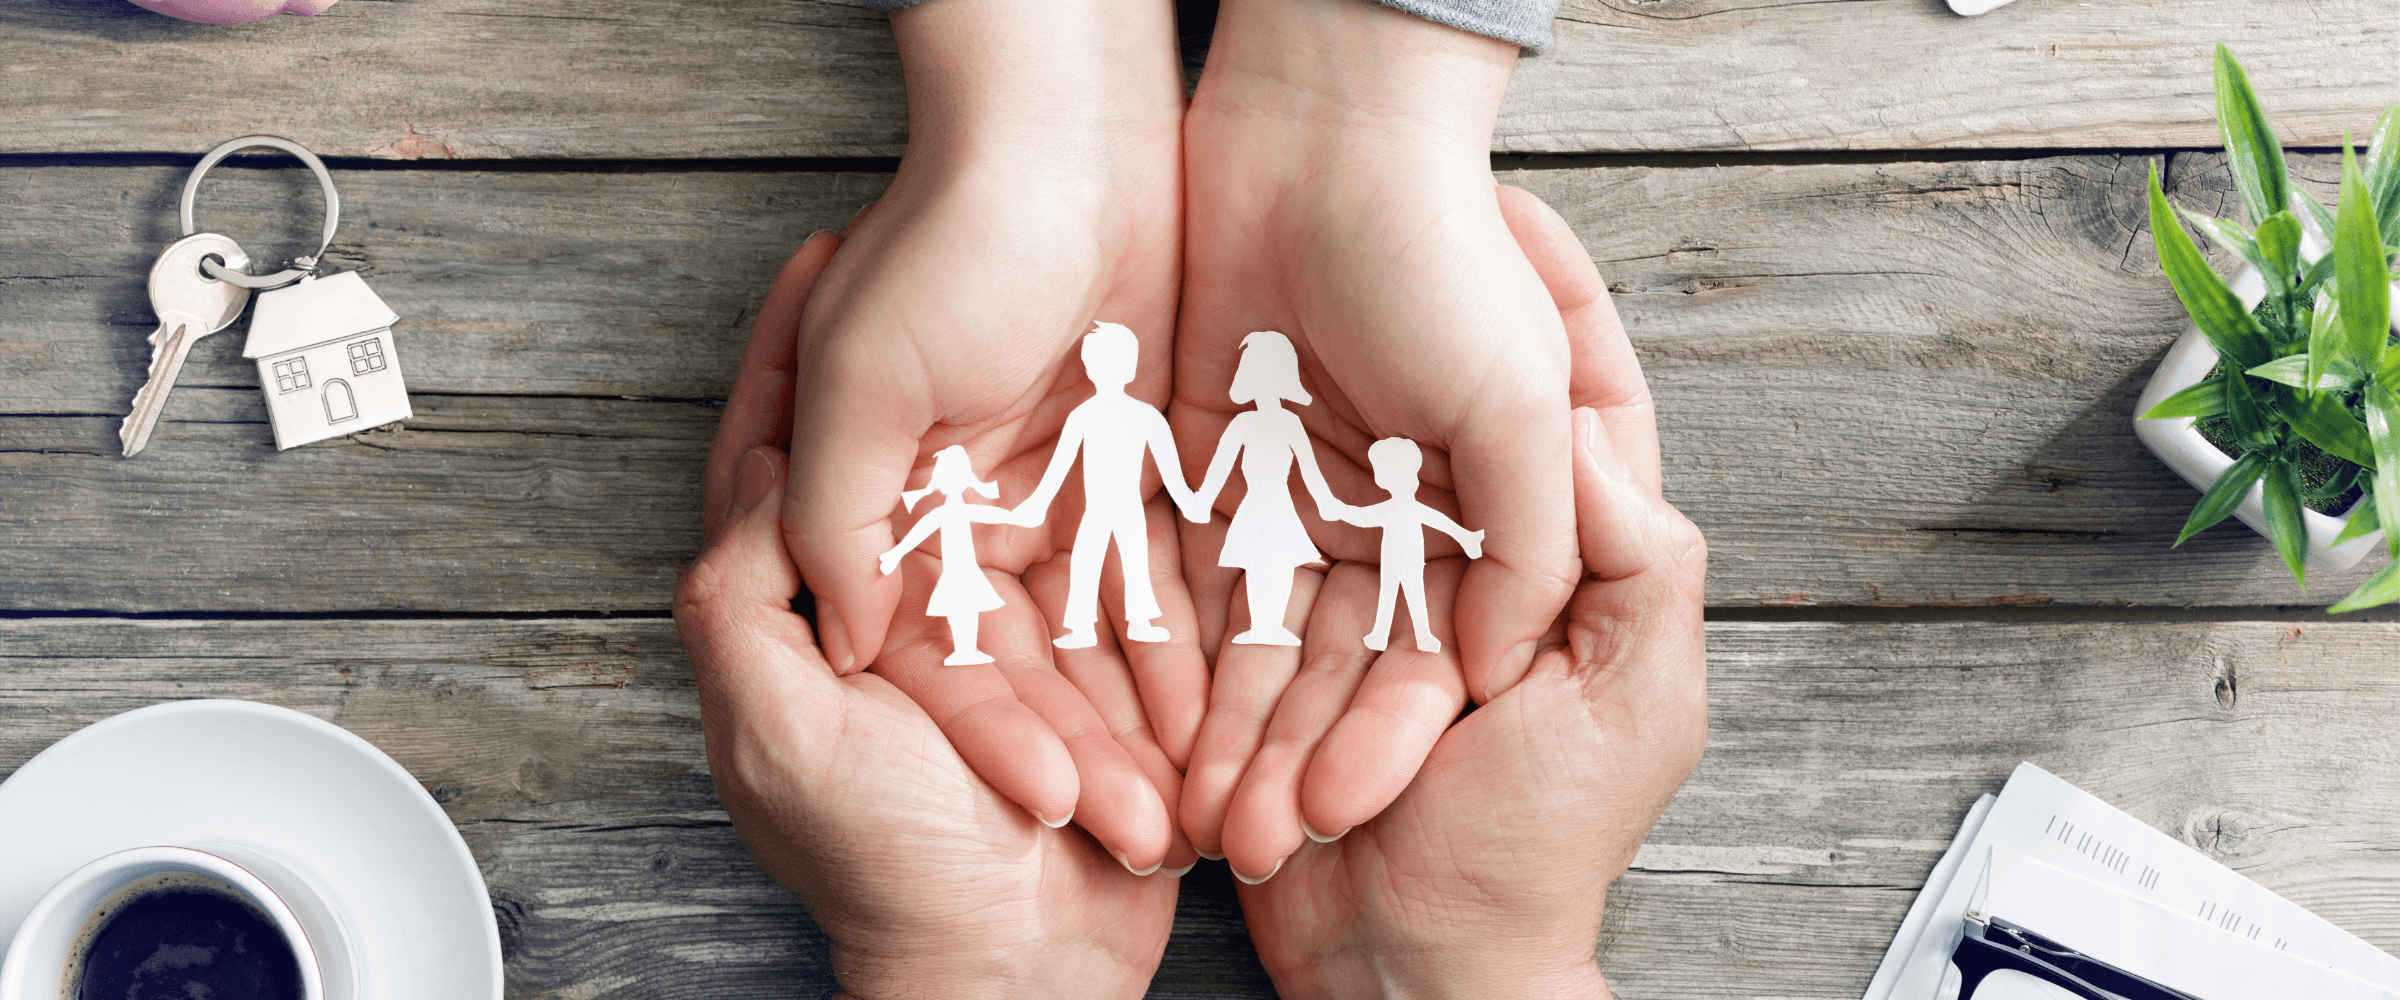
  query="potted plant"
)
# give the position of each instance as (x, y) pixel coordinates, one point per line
(2280, 402)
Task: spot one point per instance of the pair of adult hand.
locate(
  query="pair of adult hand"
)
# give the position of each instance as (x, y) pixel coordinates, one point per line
(1486, 876)
(1049, 183)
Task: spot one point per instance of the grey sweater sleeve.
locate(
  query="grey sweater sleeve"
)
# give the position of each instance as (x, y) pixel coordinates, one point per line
(1525, 22)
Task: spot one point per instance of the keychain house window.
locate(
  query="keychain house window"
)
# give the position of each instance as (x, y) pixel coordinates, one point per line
(291, 375)
(366, 356)
(330, 326)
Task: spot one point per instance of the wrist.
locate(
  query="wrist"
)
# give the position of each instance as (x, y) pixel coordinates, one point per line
(1055, 85)
(1019, 974)
(1436, 976)
(1359, 82)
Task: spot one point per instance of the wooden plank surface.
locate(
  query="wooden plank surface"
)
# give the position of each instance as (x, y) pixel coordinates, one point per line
(1879, 384)
(748, 78)
(1842, 758)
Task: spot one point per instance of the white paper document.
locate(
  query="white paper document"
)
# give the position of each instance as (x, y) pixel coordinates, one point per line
(2045, 855)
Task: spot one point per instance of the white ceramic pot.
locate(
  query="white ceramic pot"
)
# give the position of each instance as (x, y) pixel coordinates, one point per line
(2177, 441)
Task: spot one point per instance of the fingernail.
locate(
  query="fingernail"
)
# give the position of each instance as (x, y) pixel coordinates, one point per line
(1061, 821)
(1138, 872)
(752, 480)
(1587, 431)
(834, 639)
(821, 232)
(1320, 837)
(1212, 857)
(1180, 872)
(1247, 880)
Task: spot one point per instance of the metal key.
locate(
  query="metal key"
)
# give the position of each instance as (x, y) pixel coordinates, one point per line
(190, 305)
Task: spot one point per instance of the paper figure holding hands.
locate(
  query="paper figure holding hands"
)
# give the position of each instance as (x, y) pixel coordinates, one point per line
(1404, 521)
(1266, 540)
(962, 594)
(1112, 430)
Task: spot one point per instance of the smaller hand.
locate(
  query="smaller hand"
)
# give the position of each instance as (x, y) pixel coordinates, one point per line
(1338, 511)
(1026, 516)
(1474, 545)
(890, 561)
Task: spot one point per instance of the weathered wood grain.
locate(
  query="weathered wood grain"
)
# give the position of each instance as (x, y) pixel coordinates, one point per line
(1841, 759)
(1913, 384)
(743, 78)
(1894, 384)
(538, 79)
(1907, 74)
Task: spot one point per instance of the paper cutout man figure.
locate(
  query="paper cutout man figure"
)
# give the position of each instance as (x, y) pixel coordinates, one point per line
(963, 593)
(1404, 521)
(1112, 430)
(1266, 540)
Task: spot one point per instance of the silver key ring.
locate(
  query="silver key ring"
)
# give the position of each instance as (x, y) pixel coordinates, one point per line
(302, 266)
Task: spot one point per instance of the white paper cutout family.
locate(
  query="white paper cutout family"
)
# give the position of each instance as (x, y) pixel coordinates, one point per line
(1266, 539)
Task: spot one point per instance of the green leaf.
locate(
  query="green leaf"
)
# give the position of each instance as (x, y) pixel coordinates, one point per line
(2258, 167)
(2206, 399)
(2324, 338)
(2228, 234)
(2383, 172)
(2365, 286)
(2252, 424)
(2333, 486)
(2381, 589)
(2291, 371)
(2383, 418)
(2279, 248)
(2224, 495)
(2321, 419)
(2362, 520)
(2298, 370)
(2316, 275)
(2219, 313)
(2320, 218)
(2284, 524)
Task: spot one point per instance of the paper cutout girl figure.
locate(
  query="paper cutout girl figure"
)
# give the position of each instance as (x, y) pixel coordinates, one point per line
(1404, 521)
(962, 594)
(1113, 430)
(1266, 540)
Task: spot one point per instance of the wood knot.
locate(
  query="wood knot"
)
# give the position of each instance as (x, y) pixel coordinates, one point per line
(2225, 833)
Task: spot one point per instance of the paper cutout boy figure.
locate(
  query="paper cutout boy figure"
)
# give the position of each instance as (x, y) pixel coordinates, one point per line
(1266, 541)
(963, 593)
(1112, 430)
(1404, 521)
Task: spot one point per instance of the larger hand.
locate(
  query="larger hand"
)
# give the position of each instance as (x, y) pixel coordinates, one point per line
(926, 880)
(1487, 877)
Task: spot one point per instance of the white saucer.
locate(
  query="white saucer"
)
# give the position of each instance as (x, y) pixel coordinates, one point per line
(308, 792)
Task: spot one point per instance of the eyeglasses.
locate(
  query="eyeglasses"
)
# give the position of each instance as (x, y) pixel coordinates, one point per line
(1992, 945)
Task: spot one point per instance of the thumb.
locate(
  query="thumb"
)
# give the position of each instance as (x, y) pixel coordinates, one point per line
(1623, 527)
(1603, 371)
(733, 607)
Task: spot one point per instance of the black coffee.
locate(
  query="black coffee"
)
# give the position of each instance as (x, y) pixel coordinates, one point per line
(185, 939)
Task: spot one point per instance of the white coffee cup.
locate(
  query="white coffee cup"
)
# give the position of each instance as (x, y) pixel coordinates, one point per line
(46, 943)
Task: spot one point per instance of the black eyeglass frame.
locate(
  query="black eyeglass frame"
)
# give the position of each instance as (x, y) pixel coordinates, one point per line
(1988, 945)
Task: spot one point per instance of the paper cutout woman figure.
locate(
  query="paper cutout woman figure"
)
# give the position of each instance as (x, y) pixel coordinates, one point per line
(1113, 430)
(1266, 540)
(1404, 521)
(962, 594)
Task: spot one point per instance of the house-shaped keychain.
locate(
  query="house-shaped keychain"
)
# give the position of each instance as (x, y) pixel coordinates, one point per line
(326, 359)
